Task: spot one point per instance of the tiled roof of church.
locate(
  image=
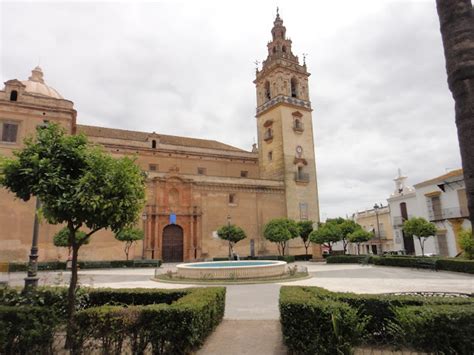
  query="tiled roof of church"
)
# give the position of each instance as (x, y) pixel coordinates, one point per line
(113, 133)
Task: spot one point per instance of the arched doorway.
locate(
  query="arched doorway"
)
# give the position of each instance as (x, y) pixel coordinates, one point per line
(172, 244)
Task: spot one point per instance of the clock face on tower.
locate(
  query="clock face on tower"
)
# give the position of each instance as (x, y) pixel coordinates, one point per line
(299, 151)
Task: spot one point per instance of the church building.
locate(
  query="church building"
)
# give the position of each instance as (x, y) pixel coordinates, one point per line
(194, 186)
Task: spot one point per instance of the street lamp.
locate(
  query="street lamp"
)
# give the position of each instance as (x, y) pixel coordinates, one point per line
(31, 279)
(228, 236)
(376, 209)
(144, 218)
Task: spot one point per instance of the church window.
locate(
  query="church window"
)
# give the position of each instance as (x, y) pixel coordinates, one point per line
(268, 134)
(303, 211)
(153, 144)
(14, 95)
(283, 49)
(267, 91)
(244, 173)
(201, 171)
(153, 167)
(274, 49)
(9, 132)
(294, 87)
(232, 199)
(270, 155)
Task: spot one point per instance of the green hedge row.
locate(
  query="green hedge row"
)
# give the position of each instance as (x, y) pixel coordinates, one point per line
(61, 265)
(27, 329)
(134, 296)
(287, 258)
(176, 328)
(458, 265)
(376, 319)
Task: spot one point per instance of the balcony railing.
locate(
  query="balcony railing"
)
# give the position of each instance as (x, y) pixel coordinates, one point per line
(448, 213)
(301, 177)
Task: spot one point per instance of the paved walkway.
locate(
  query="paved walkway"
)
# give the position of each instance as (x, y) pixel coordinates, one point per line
(251, 323)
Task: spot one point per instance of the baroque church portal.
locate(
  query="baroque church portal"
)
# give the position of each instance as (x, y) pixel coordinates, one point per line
(194, 186)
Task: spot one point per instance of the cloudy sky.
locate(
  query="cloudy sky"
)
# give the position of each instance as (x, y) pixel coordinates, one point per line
(378, 84)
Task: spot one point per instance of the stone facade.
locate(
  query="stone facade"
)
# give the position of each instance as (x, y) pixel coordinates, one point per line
(194, 186)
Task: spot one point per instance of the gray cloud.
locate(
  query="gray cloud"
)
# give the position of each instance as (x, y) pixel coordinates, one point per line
(378, 84)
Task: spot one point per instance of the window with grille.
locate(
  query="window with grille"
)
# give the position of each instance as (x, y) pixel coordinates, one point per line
(9, 132)
(201, 171)
(244, 173)
(153, 167)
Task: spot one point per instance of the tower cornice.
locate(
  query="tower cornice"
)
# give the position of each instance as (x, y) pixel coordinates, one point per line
(283, 100)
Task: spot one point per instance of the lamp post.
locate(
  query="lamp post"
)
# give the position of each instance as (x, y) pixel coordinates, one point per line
(376, 209)
(228, 235)
(144, 218)
(31, 280)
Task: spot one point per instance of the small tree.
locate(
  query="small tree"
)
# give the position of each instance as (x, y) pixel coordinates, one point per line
(420, 228)
(233, 234)
(466, 242)
(347, 227)
(327, 234)
(61, 239)
(129, 236)
(78, 185)
(305, 228)
(359, 236)
(280, 231)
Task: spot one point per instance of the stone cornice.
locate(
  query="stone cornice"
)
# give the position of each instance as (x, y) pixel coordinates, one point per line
(281, 99)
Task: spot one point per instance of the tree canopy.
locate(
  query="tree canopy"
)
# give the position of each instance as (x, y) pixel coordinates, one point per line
(280, 231)
(359, 236)
(129, 236)
(305, 228)
(327, 234)
(231, 233)
(420, 228)
(78, 185)
(61, 238)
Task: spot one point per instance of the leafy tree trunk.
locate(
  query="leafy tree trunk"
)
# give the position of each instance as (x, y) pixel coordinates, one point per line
(456, 19)
(127, 249)
(71, 295)
(344, 245)
(422, 245)
(282, 248)
(358, 248)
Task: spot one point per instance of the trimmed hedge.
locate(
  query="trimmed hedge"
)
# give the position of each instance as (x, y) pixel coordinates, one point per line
(444, 329)
(378, 315)
(61, 265)
(457, 265)
(347, 259)
(287, 258)
(133, 296)
(315, 326)
(176, 328)
(27, 330)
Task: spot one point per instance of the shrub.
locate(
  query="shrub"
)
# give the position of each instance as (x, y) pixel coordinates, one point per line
(444, 329)
(135, 296)
(376, 313)
(455, 265)
(27, 329)
(313, 326)
(303, 257)
(61, 265)
(346, 259)
(175, 328)
(466, 242)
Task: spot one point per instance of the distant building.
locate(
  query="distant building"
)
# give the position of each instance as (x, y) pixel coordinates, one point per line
(376, 221)
(194, 185)
(441, 200)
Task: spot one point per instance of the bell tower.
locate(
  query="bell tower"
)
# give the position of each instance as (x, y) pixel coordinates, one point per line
(285, 127)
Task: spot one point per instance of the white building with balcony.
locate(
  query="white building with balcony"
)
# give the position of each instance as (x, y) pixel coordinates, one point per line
(441, 200)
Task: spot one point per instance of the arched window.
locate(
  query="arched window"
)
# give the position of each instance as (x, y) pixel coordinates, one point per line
(274, 49)
(153, 144)
(294, 87)
(267, 91)
(283, 49)
(14, 95)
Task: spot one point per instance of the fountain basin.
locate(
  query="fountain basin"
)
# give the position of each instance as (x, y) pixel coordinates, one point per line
(221, 270)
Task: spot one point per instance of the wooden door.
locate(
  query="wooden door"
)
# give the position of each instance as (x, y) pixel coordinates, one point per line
(172, 244)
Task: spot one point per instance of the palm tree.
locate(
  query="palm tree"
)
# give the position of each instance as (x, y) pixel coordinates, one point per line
(456, 19)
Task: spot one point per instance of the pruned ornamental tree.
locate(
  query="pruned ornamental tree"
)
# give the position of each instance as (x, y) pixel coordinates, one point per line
(61, 238)
(466, 242)
(327, 234)
(129, 236)
(78, 184)
(305, 228)
(420, 228)
(233, 234)
(347, 227)
(359, 236)
(280, 231)
(456, 19)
